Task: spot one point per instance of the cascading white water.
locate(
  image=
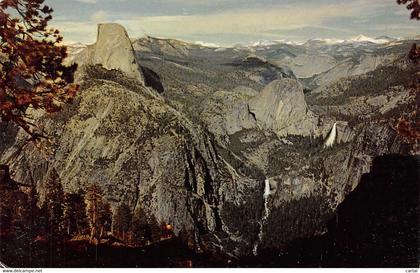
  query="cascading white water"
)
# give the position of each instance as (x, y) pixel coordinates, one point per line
(267, 190)
(263, 220)
(329, 142)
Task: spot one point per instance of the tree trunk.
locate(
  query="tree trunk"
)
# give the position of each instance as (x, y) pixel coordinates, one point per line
(92, 234)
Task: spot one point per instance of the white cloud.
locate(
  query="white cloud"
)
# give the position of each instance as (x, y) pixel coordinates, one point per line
(187, 21)
(83, 32)
(99, 16)
(244, 21)
(87, 1)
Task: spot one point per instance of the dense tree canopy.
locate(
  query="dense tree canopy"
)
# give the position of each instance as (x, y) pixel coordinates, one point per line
(31, 63)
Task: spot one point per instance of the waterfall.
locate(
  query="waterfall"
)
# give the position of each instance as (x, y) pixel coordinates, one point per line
(329, 142)
(263, 220)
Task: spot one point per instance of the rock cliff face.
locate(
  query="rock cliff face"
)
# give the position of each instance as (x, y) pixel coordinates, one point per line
(197, 156)
(281, 107)
(144, 154)
(113, 50)
(228, 112)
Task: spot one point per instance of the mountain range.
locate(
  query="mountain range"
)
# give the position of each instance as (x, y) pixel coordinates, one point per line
(227, 144)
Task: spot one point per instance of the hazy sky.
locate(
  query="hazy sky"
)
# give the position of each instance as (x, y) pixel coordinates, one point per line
(231, 21)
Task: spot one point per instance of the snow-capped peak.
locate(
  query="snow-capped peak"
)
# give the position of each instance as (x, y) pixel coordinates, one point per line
(329, 41)
(359, 39)
(263, 43)
(256, 44)
(266, 44)
(364, 39)
(206, 44)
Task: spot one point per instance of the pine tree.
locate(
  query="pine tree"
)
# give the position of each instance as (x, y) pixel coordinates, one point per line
(74, 215)
(98, 213)
(34, 210)
(54, 199)
(68, 215)
(53, 215)
(105, 219)
(32, 73)
(31, 213)
(142, 233)
(145, 229)
(413, 6)
(122, 220)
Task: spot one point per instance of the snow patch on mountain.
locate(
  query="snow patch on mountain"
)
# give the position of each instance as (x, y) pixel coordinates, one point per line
(206, 44)
(359, 39)
(364, 39)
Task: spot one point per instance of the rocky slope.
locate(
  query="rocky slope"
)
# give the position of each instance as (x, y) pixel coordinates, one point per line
(113, 50)
(233, 169)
